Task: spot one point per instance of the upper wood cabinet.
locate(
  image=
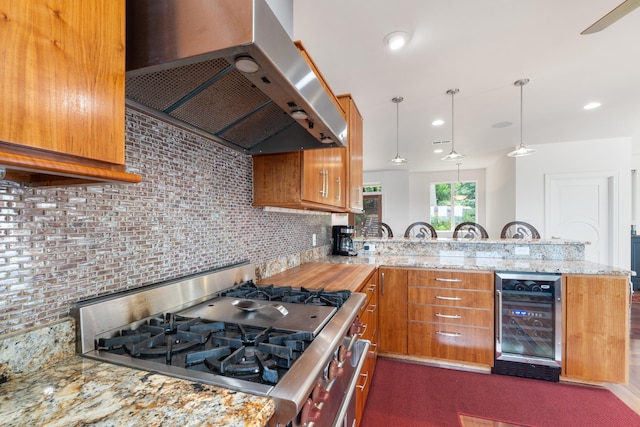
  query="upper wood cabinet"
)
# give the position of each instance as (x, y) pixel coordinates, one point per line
(353, 154)
(311, 179)
(62, 75)
(596, 327)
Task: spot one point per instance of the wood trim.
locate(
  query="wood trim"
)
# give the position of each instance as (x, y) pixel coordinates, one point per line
(48, 172)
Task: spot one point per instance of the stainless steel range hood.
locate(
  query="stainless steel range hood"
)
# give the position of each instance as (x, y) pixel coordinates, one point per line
(181, 67)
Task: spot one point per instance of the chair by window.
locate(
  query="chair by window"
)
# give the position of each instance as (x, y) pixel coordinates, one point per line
(519, 230)
(378, 229)
(470, 231)
(421, 230)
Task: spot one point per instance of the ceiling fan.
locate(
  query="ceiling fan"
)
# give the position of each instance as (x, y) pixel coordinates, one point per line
(621, 10)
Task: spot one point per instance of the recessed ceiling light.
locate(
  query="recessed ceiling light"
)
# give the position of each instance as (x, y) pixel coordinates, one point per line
(591, 105)
(396, 39)
(437, 150)
(438, 122)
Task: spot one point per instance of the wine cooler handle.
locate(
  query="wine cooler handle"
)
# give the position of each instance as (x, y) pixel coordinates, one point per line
(498, 311)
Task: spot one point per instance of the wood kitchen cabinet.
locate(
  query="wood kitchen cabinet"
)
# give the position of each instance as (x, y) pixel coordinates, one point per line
(596, 323)
(311, 179)
(392, 316)
(450, 315)
(368, 316)
(353, 154)
(62, 83)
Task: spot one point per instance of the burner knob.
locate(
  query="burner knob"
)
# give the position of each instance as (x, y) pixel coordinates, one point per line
(334, 370)
(356, 327)
(310, 413)
(319, 394)
(343, 354)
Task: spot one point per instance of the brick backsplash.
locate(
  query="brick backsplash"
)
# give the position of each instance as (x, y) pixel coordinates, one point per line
(191, 213)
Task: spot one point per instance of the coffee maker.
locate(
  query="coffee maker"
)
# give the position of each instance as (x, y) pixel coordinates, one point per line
(342, 240)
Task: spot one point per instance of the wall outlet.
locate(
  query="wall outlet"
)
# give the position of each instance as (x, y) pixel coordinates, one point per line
(369, 247)
(314, 239)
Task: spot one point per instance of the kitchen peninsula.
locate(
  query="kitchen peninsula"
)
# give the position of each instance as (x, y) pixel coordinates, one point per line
(595, 300)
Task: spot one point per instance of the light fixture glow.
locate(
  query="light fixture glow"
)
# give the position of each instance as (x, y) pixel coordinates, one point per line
(438, 150)
(299, 114)
(326, 140)
(396, 39)
(246, 64)
(522, 150)
(397, 160)
(453, 155)
(437, 122)
(591, 105)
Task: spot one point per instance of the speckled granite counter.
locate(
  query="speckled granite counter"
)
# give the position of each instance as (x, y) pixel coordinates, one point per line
(479, 263)
(58, 388)
(82, 392)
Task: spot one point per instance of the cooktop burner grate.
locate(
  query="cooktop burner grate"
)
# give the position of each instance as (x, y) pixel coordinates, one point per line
(320, 297)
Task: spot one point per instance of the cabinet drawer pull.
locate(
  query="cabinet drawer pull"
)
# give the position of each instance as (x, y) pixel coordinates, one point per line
(442, 279)
(448, 298)
(366, 378)
(449, 316)
(448, 334)
(372, 308)
(372, 287)
(362, 330)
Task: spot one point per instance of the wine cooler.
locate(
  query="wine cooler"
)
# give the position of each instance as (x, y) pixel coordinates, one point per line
(528, 325)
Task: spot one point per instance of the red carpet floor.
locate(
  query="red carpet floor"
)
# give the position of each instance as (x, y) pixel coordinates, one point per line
(410, 395)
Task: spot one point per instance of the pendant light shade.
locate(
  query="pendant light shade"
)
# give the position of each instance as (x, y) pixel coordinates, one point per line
(397, 160)
(521, 150)
(453, 155)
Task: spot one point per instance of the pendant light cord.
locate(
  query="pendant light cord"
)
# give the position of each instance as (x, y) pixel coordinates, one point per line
(521, 104)
(398, 126)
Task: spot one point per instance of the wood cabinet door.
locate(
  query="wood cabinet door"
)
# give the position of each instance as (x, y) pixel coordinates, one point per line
(596, 327)
(353, 154)
(336, 182)
(314, 176)
(392, 298)
(62, 78)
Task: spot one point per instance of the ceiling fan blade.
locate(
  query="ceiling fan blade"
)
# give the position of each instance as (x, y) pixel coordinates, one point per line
(611, 17)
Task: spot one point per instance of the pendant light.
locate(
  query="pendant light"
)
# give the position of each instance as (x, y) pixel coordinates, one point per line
(522, 150)
(453, 155)
(397, 160)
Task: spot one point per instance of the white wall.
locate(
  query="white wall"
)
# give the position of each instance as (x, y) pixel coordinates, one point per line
(501, 195)
(395, 197)
(607, 155)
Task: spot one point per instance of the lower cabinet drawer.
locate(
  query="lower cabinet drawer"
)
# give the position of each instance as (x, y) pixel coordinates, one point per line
(451, 297)
(453, 315)
(452, 342)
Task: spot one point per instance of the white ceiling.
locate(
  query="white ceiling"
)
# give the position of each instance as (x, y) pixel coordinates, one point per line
(482, 48)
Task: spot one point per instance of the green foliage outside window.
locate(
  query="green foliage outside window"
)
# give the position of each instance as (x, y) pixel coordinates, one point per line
(451, 204)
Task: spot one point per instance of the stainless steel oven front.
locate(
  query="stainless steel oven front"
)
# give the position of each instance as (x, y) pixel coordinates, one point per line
(528, 323)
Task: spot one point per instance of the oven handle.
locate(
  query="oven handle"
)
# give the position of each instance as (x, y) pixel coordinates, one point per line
(361, 348)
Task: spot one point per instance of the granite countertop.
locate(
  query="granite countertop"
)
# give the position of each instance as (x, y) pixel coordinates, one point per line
(81, 392)
(57, 387)
(479, 263)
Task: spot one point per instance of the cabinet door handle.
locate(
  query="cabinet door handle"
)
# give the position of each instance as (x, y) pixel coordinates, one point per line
(449, 334)
(326, 178)
(339, 189)
(322, 186)
(448, 298)
(382, 283)
(442, 279)
(449, 316)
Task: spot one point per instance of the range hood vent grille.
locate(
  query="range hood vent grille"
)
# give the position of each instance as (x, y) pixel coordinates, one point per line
(214, 97)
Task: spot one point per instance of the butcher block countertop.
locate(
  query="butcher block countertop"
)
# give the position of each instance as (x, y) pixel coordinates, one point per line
(322, 275)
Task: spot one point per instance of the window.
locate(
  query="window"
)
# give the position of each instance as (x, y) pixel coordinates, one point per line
(452, 203)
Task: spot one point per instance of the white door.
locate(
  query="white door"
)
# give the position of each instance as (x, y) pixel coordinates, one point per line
(584, 207)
